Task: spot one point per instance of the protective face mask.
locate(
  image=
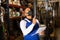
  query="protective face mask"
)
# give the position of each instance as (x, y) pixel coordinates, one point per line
(30, 13)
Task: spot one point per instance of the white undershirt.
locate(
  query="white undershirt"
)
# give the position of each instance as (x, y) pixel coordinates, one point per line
(25, 30)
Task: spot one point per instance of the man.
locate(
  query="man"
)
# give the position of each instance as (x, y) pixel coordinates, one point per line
(29, 25)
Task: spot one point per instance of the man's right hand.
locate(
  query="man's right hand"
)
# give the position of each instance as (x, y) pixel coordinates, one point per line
(34, 20)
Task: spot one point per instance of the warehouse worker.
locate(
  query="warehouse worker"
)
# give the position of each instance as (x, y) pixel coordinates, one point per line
(29, 26)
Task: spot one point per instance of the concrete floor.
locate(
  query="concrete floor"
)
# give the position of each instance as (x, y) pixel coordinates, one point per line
(58, 33)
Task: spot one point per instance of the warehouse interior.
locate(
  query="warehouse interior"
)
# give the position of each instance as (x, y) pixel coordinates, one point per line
(46, 11)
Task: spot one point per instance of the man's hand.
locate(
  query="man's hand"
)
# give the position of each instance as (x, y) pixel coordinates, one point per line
(34, 20)
(41, 33)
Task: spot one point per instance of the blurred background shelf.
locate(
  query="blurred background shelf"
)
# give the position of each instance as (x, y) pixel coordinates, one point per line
(15, 6)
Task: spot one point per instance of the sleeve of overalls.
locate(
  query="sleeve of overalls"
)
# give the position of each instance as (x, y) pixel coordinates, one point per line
(25, 30)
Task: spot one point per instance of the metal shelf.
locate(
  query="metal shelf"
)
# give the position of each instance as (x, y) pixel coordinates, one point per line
(16, 6)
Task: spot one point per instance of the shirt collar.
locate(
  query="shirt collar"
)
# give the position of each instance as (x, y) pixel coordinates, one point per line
(27, 20)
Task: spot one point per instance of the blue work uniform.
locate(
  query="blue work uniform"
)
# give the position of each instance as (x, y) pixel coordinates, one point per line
(30, 36)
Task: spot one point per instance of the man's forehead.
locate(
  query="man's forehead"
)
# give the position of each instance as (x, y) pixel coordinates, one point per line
(27, 10)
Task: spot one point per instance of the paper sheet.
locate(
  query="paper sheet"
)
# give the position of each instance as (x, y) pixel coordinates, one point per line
(39, 30)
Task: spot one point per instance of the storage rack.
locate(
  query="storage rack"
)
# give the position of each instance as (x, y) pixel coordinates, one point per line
(49, 21)
(7, 20)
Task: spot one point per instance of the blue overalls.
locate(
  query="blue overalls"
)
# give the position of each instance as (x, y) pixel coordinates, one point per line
(29, 36)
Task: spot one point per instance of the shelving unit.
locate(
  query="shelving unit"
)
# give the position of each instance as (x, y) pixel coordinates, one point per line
(48, 17)
(11, 23)
(16, 6)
